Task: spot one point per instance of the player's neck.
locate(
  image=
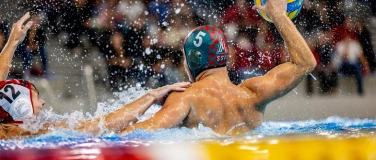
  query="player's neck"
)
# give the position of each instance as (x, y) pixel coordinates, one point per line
(220, 73)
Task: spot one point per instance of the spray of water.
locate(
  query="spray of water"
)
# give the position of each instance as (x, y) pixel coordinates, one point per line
(58, 137)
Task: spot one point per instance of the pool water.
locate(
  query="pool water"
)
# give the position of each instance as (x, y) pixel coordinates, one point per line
(330, 138)
(330, 127)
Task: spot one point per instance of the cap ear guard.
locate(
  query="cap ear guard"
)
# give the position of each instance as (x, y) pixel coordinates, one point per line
(21, 109)
(194, 59)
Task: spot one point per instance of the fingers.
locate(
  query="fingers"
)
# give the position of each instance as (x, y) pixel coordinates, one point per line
(178, 89)
(24, 18)
(183, 84)
(179, 86)
(19, 23)
(27, 26)
(256, 7)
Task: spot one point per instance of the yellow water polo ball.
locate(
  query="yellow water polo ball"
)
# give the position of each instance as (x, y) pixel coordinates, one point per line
(293, 8)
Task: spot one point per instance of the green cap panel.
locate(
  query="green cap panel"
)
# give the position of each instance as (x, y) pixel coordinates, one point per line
(205, 47)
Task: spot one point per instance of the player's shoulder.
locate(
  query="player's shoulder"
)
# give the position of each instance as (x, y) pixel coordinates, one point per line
(250, 84)
(190, 93)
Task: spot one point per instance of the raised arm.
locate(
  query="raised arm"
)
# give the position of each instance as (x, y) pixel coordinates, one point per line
(121, 118)
(283, 78)
(17, 35)
(171, 115)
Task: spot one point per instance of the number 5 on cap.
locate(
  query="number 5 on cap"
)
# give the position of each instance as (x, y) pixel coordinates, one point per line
(199, 37)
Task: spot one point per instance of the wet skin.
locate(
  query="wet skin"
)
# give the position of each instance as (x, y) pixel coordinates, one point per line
(215, 102)
(38, 102)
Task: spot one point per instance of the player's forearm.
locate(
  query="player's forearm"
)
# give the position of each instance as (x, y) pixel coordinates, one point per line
(9, 130)
(121, 118)
(299, 51)
(17, 35)
(142, 125)
(6, 56)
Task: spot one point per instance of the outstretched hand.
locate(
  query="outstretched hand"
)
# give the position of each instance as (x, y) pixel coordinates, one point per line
(19, 30)
(162, 92)
(273, 7)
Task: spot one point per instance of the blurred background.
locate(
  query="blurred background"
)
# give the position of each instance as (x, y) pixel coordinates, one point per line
(79, 52)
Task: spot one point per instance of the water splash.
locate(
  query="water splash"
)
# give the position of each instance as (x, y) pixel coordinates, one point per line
(48, 115)
(68, 137)
(332, 126)
(343, 126)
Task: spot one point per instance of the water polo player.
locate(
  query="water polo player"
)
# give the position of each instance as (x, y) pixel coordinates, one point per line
(213, 100)
(19, 99)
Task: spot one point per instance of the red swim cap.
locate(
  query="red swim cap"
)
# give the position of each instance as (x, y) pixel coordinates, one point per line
(15, 101)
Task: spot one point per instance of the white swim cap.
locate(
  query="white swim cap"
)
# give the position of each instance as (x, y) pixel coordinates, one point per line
(15, 101)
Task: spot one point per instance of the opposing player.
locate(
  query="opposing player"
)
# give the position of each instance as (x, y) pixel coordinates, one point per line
(20, 101)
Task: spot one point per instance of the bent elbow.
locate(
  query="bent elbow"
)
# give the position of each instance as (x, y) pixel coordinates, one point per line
(312, 65)
(307, 68)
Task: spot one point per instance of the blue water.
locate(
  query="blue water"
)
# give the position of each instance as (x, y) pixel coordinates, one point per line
(332, 126)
